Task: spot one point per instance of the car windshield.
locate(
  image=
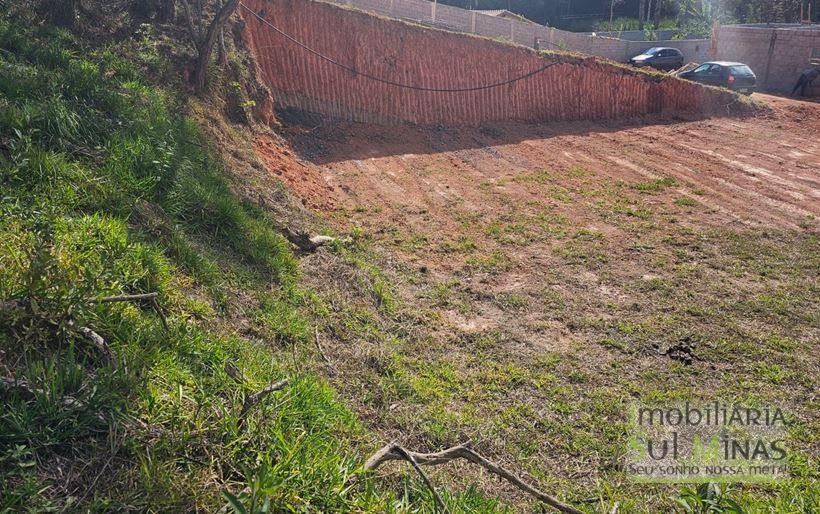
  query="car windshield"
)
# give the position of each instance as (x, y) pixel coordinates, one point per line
(742, 71)
(652, 51)
(701, 68)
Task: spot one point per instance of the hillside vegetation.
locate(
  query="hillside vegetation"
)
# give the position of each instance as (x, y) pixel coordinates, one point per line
(107, 190)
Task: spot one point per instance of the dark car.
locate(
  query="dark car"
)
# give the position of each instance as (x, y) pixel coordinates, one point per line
(733, 75)
(660, 57)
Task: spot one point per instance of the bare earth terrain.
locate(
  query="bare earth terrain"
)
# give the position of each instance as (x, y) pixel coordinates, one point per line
(545, 276)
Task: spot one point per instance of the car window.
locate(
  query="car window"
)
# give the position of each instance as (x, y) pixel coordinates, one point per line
(663, 53)
(702, 68)
(741, 71)
(651, 51)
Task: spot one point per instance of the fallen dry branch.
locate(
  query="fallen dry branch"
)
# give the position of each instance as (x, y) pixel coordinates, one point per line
(393, 451)
(305, 241)
(126, 298)
(100, 344)
(147, 297)
(253, 399)
(158, 309)
(409, 458)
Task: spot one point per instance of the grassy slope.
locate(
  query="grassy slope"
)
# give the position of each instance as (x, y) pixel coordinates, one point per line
(106, 190)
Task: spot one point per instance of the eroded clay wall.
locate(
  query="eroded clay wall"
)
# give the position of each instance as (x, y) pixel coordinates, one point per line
(571, 89)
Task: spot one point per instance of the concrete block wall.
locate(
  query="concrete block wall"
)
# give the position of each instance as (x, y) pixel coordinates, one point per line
(522, 32)
(777, 55)
(571, 88)
(453, 18)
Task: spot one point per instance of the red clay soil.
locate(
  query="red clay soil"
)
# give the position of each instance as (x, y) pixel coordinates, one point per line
(556, 87)
(754, 171)
(604, 249)
(281, 163)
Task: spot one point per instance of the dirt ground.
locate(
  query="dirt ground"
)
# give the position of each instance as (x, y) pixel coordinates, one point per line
(554, 273)
(760, 170)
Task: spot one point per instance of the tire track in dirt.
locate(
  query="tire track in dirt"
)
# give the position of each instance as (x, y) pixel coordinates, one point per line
(733, 193)
(744, 190)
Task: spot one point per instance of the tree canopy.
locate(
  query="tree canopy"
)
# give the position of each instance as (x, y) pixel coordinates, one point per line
(578, 13)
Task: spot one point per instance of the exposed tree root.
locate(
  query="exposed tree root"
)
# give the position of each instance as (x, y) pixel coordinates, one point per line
(393, 451)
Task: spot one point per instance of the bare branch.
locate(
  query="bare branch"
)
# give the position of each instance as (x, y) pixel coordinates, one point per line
(409, 458)
(305, 241)
(125, 298)
(253, 399)
(395, 452)
(159, 312)
(149, 297)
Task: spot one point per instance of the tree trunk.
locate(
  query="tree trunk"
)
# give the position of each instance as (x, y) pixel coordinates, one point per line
(641, 12)
(141, 10)
(223, 57)
(658, 14)
(206, 47)
(611, 13)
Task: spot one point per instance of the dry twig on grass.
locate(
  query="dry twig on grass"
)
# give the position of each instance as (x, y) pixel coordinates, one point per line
(393, 451)
(254, 398)
(305, 241)
(149, 297)
(319, 348)
(126, 298)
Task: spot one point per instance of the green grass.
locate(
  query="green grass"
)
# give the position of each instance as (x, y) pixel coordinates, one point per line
(107, 189)
(655, 185)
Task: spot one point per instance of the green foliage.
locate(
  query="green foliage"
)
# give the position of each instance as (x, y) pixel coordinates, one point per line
(708, 498)
(106, 191)
(617, 25)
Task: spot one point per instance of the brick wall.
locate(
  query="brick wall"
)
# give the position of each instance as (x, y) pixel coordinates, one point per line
(571, 89)
(777, 55)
